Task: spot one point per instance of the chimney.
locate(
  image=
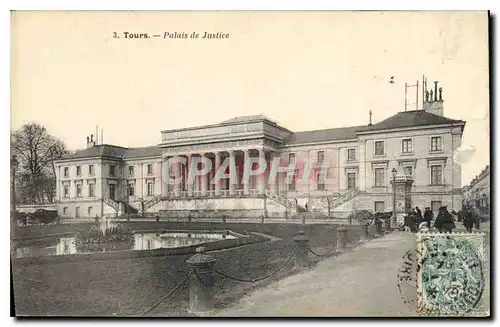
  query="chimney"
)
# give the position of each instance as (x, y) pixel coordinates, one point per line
(90, 141)
(370, 113)
(433, 102)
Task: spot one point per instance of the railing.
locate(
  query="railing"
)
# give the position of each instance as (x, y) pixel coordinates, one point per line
(343, 198)
(152, 202)
(110, 202)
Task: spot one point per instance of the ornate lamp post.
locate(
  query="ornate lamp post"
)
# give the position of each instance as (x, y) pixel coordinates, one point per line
(14, 163)
(394, 216)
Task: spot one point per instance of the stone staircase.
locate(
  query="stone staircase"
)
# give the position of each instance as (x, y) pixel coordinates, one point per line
(157, 199)
(289, 205)
(345, 197)
(112, 203)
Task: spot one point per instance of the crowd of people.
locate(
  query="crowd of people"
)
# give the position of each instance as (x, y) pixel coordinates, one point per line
(444, 222)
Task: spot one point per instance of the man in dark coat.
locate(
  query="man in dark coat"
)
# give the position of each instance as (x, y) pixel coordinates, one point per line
(469, 219)
(428, 216)
(444, 221)
(419, 214)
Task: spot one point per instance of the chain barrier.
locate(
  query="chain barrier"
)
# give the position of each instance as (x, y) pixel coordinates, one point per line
(177, 287)
(323, 255)
(257, 279)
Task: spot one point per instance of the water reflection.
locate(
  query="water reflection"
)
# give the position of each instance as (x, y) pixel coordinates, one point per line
(52, 246)
(150, 241)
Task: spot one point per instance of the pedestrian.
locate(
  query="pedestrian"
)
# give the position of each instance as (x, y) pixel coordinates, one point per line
(419, 214)
(477, 219)
(428, 217)
(468, 219)
(444, 221)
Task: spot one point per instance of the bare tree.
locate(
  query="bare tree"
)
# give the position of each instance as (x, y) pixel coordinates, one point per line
(36, 150)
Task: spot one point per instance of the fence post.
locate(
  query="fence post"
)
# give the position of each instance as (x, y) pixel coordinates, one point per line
(387, 225)
(302, 250)
(341, 238)
(363, 234)
(378, 225)
(201, 284)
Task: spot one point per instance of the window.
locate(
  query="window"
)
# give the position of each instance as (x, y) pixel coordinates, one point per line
(131, 170)
(112, 191)
(351, 181)
(65, 211)
(351, 155)
(91, 189)
(379, 148)
(77, 212)
(150, 244)
(150, 169)
(436, 143)
(66, 191)
(321, 156)
(379, 206)
(131, 190)
(409, 170)
(150, 189)
(112, 170)
(78, 170)
(78, 190)
(66, 171)
(320, 182)
(291, 157)
(291, 186)
(436, 175)
(91, 170)
(407, 146)
(379, 176)
(90, 211)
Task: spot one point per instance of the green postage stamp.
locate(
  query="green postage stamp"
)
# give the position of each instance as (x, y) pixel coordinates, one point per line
(452, 274)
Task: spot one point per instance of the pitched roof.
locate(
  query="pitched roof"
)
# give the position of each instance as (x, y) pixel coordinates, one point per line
(244, 119)
(331, 134)
(113, 151)
(149, 151)
(102, 150)
(411, 118)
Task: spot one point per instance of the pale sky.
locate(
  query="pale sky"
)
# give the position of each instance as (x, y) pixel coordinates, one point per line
(305, 70)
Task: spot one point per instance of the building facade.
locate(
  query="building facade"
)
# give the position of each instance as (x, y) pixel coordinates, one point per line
(329, 172)
(477, 193)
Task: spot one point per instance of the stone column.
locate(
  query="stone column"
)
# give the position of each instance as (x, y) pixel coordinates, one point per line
(272, 186)
(177, 171)
(204, 177)
(246, 183)
(261, 177)
(190, 184)
(164, 177)
(232, 174)
(217, 180)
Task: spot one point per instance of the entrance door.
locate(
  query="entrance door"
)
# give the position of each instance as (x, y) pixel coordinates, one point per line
(112, 191)
(351, 181)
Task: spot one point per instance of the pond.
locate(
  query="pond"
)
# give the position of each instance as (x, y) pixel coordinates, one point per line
(142, 241)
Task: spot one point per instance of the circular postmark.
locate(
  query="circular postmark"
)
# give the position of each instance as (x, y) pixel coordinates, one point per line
(451, 277)
(408, 278)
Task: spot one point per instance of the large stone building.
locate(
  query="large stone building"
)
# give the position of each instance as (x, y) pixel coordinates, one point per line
(477, 193)
(335, 170)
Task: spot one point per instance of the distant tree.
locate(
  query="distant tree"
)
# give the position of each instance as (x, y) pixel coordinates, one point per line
(36, 151)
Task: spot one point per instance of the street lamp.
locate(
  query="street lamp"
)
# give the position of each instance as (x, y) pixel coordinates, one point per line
(394, 172)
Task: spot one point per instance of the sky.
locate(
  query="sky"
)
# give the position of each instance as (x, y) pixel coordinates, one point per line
(305, 70)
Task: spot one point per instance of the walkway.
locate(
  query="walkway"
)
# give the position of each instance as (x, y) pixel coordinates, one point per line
(359, 283)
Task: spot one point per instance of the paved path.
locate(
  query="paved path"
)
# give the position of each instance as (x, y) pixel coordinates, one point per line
(358, 283)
